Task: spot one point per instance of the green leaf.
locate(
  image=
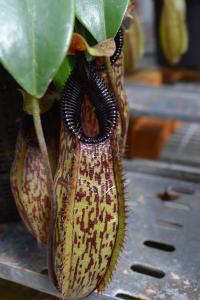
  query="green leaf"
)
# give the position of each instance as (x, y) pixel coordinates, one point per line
(102, 18)
(79, 28)
(34, 38)
(62, 74)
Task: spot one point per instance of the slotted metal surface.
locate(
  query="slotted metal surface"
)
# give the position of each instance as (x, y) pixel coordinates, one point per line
(180, 103)
(183, 146)
(171, 265)
(174, 223)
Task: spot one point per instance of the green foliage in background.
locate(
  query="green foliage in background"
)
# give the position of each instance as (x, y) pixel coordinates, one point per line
(35, 35)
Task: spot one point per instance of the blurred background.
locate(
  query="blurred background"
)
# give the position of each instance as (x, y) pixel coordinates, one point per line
(163, 83)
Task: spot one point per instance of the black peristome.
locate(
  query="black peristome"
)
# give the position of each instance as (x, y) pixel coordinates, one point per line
(99, 95)
(119, 41)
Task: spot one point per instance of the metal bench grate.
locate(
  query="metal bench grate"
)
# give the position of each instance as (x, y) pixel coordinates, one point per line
(161, 257)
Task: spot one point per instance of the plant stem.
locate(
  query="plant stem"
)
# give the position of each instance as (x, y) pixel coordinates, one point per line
(50, 183)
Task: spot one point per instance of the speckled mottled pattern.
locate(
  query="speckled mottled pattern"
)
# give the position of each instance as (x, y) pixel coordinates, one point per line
(87, 216)
(90, 226)
(118, 73)
(29, 187)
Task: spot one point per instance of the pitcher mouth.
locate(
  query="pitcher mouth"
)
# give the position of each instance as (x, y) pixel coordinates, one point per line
(100, 97)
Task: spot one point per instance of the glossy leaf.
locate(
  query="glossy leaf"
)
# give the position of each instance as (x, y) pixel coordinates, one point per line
(62, 74)
(35, 36)
(102, 18)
